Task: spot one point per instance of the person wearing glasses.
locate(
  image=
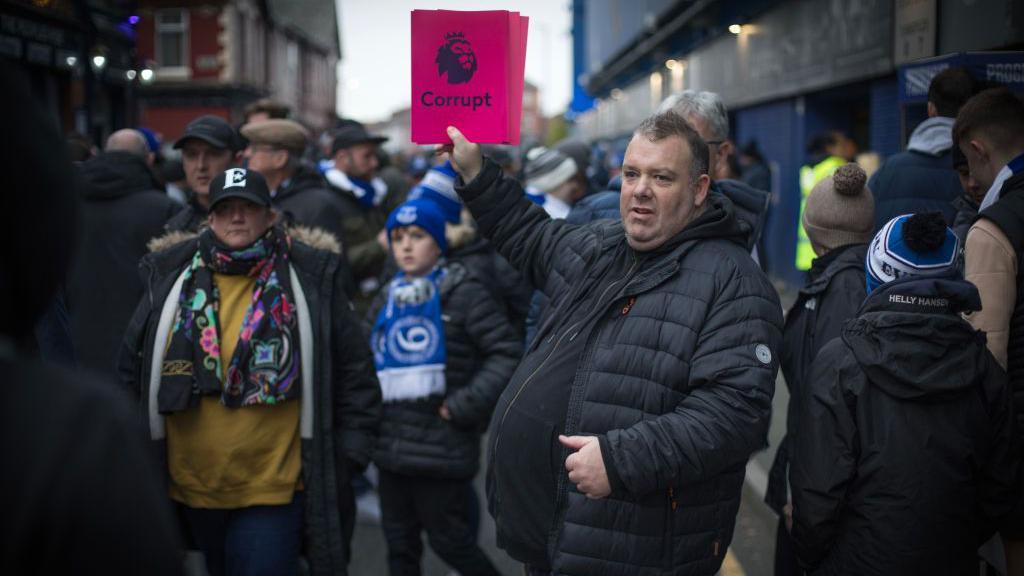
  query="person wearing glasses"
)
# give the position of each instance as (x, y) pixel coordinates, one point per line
(708, 115)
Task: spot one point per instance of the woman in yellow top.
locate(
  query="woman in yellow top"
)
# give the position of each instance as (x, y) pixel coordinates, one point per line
(259, 386)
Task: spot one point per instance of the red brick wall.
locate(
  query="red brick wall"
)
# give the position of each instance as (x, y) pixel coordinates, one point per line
(204, 29)
(170, 122)
(144, 41)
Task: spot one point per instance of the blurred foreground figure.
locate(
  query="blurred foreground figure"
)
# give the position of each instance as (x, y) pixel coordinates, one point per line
(82, 494)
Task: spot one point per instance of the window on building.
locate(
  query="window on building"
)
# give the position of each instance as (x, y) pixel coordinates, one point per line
(172, 38)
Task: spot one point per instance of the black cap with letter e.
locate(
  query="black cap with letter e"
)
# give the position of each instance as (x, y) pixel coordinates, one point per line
(240, 183)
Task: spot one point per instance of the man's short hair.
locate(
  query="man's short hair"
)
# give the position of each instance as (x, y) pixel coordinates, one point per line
(707, 105)
(271, 108)
(668, 123)
(950, 90)
(996, 113)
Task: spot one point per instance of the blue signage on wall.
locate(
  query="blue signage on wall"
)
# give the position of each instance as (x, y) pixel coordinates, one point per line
(997, 68)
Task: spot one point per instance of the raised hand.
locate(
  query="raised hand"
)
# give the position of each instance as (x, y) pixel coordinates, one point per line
(466, 157)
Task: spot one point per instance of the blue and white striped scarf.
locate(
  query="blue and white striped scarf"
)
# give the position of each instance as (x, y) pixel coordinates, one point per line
(408, 339)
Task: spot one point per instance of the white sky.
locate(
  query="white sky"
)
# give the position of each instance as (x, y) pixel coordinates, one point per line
(374, 76)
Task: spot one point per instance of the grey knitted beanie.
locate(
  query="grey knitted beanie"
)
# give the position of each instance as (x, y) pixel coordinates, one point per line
(840, 210)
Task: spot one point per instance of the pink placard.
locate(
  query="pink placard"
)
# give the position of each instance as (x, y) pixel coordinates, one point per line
(465, 67)
(519, 26)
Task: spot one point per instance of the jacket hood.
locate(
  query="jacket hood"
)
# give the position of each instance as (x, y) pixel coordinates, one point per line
(314, 237)
(114, 174)
(912, 343)
(462, 235)
(742, 194)
(934, 136)
(304, 178)
(750, 204)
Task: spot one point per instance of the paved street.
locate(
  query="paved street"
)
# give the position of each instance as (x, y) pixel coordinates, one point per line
(751, 552)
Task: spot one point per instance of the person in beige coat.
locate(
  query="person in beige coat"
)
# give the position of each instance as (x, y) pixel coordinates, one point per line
(990, 131)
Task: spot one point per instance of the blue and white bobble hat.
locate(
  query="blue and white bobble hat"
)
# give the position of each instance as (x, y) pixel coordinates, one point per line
(438, 186)
(890, 258)
(423, 213)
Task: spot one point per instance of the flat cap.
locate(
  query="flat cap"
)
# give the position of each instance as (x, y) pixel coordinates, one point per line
(286, 134)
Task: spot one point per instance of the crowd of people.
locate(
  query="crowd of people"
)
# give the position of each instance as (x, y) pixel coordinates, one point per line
(281, 313)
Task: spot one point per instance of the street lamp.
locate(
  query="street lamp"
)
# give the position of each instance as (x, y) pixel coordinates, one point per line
(99, 61)
(130, 75)
(146, 75)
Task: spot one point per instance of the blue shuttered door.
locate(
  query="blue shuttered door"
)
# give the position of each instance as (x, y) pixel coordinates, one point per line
(775, 128)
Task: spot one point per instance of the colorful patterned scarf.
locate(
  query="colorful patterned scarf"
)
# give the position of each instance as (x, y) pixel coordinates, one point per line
(264, 368)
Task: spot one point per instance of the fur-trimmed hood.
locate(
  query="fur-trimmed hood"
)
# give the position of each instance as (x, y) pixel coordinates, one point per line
(462, 234)
(314, 237)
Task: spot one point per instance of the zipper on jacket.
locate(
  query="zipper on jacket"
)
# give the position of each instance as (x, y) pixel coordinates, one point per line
(560, 490)
(504, 415)
(668, 551)
(629, 305)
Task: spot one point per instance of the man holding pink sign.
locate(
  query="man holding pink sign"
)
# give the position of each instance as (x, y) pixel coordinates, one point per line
(619, 446)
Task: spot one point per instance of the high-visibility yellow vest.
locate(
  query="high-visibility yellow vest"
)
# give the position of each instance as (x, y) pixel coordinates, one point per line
(809, 176)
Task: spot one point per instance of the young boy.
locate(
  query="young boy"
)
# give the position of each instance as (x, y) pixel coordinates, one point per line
(839, 217)
(444, 349)
(902, 456)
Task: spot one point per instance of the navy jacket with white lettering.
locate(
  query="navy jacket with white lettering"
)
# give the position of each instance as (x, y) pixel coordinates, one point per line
(902, 454)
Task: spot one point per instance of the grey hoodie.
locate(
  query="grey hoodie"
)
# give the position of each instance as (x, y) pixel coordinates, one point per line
(934, 136)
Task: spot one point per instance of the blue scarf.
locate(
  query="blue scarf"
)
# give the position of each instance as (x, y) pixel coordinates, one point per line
(365, 192)
(408, 339)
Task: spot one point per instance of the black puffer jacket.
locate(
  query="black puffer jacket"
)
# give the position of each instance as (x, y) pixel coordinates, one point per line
(902, 456)
(307, 200)
(675, 380)
(834, 292)
(339, 426)
(498, 275)
(483, 349)
(122, 210)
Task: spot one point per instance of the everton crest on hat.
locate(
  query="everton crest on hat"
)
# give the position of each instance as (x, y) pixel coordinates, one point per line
(240, 183)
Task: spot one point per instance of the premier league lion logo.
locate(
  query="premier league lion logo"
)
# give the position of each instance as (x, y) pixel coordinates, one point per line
(456, 58)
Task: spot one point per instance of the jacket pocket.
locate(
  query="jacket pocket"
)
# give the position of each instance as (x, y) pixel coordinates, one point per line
(523, 481)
